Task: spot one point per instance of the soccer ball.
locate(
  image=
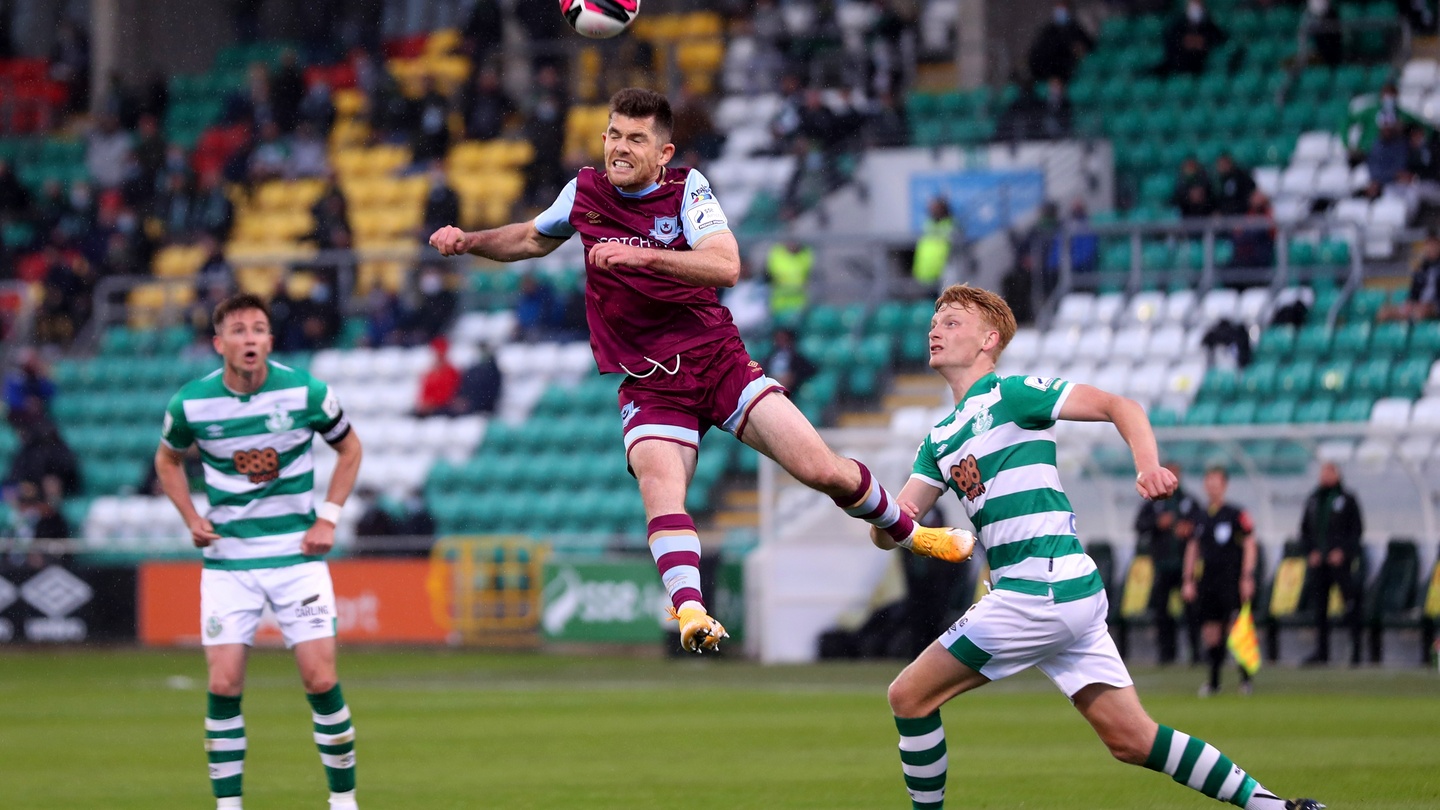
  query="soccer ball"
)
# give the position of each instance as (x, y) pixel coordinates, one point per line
(599, 19)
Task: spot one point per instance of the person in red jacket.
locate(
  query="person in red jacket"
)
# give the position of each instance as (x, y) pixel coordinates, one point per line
(438, 386)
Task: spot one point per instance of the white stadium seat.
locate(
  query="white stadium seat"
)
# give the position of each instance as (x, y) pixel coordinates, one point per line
(1332, 182)
(1291, 210)
(1058, 345)
(1390, 413)
(1166, 343)
(416, 361)
(1267, 179)
(1148, 381)
(1340, 451)
(1415, 449)
(466, 433)
(910, 421)
(1108, 307)
(356, 364)
(386, 362)
(1359, 177)
(1079, 371)
(1180, 306)
(471, 327)
(1094, 343)
(1316, 147)
(1426, 413)
(576, 360)
(1373, 454)
(1388, 212)
(1113, 377)
(1221, 302)
(1298, 180)
(1023, 347)
(325, 365)
(1145, 308)
(1432, 382)
(1131, 344)
(1422, 74)
(1254, 303)
(433, 434)
(1076, 309)
(463, 355)
(1352, 210)
(1184, 380)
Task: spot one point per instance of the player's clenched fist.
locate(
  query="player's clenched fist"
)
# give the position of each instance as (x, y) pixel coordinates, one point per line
(450, 241)
(1156, 484)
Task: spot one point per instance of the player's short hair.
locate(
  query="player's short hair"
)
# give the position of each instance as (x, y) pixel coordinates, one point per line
(637, 102)
(236, 303)
(987, 304)
(1220, 470)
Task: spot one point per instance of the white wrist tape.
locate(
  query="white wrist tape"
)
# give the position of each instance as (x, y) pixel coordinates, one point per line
(328, 512)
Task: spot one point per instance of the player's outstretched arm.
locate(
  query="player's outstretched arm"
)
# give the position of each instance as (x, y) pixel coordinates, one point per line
(916, 498)
(508, 243)
(170, 469)
(1087, 403)
(715, 262)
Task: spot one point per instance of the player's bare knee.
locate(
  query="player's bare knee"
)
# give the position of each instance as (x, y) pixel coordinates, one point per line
(1129, 750)
(319, 684)
(824, 473)
(225, 684)
(903, 703)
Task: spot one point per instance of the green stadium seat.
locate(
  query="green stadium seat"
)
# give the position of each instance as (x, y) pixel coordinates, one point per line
(1276, 342)
(1334, 252)
(1264, 119)
(1424, 340)
(1351, 340)
(1372, 378)
(1407, 377)
(1239, 412)
(1219, 383)
(1364, 305)
(1355, 409)
(1258, 379)
(1334, 377)
(1276, 412)
(1314, 410)
(1324, 301)
(1288, 458)
(1390, 339)
(1295, 379)
(1302, 253)
(1313, 341)
(823, 321)
(1204, 412)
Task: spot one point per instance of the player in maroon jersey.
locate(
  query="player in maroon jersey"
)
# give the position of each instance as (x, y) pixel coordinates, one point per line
(658, 246)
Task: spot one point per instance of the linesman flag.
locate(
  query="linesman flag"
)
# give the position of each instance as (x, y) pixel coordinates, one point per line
(1244, 642)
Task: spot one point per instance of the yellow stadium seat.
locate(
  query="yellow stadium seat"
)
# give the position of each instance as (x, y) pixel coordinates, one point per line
(259, 279)
(449, 72)
(497, 210)
(412, 190)
(442, 41)
(701, 24)
(521, 153)
(700, 55)
(472, 213)
(349, 102)
(178, 261)
(347, 134)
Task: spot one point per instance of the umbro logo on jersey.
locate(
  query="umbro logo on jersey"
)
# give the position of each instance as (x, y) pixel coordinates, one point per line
(593, 216)
(214, 431)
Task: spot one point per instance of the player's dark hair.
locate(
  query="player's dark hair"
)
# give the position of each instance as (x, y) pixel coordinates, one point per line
(236, 303)
(637, 102)
(1219, 469)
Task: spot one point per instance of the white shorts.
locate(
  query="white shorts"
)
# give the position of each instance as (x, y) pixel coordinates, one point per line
(1006, 632)
(301, 596)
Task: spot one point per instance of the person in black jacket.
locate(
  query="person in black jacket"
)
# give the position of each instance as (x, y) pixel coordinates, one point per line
(1163, 528)
(1224, 541)
(1330, 531)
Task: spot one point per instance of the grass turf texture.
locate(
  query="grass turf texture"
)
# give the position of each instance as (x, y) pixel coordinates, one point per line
(442, 729)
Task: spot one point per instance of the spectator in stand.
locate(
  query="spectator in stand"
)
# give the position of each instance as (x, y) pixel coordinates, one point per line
(435, 303)
(317, 108)
(786, 364)
(214, 272)
(1321, 24)
(169, 216)
(440, 384)
(1084, 246)
(1162, 530)
(788, 266)
(545, 129)
(309, 156)
(748, 301)
(14, 197)
(932, 249)
(480, 387)
(1419, 183)
(1233, 187)
(483, 32)
(1020, 120)
(694, 127)
(1423, 302)
(486, 105)
(885, 126)
(287, 88)
(212, 212)
(270, 155)
(150, 153)
(1190, 39)
(70, 64)
(45, 462)
(384, 318)
(332, 220)
(36, 518)
(534, 308)
(107, 150)
(432, 131)
(1331, 528)
(28, 388)
(155, 98)
(1388, 156)
(442, 204)
(1059, 45)
(1363, 126)
(1192, 191)
(1255, 246)
(544, 28)
(374, 520)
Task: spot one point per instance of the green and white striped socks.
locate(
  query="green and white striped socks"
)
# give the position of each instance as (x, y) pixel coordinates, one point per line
(923, 759)
(335, 738)
(1196, 764)
(225, 746)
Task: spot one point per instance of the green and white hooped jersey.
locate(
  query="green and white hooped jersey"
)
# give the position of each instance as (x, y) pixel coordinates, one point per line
(259, 468)
(996, 451)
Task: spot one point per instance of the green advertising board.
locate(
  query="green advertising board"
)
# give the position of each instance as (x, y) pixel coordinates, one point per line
(622, 601)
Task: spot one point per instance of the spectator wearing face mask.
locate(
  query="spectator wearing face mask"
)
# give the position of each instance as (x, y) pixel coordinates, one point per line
(1363, 126)
(442, 204)
(1059, 45)
(1190, 39)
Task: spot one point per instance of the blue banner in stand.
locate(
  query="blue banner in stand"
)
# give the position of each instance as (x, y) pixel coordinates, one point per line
(983, 201)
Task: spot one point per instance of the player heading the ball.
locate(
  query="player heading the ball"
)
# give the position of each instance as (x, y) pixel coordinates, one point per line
(657, 247)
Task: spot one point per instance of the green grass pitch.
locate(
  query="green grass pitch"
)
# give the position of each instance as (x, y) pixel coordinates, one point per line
(120, 729)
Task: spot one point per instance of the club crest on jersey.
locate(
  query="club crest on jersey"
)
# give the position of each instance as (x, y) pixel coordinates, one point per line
(983, 420)
(665, 229)
(279, 420)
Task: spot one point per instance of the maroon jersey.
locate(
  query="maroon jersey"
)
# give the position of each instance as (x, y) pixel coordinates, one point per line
(638, 315)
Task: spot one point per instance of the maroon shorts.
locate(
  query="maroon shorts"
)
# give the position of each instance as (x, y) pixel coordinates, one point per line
(711, 384)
